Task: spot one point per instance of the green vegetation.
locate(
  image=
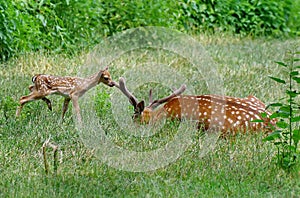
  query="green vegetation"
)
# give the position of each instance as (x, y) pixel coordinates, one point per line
(242, 166)
(244, 38)
(71, 26)
(286, 135)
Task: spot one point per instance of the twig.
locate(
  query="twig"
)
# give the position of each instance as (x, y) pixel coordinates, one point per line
(55, 149)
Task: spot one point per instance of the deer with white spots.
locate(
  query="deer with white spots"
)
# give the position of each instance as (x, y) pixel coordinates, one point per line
(71, 88)
(227, 114)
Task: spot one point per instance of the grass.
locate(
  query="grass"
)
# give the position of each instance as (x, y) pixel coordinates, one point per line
(241, 166)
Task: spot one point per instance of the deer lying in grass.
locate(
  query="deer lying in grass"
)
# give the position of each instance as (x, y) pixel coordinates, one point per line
(228, 114)
(71, 88)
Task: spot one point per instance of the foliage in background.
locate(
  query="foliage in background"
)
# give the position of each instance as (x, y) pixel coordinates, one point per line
(70, 26)
(286, 135)
(255, 17)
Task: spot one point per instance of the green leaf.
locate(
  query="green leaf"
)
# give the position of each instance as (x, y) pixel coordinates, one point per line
(295, 119)
(296, 134)
(272, 136)
(294, 73)
(264, 115)
(281, 64)
(277, 80)
(296, 59)
(285, 109)
(274, 115)
(282, 124)
(292, 93)
(282, 114)
(297, 79)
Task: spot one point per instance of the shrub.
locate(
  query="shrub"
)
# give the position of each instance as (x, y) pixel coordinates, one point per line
(29, 26)
(256, 17)
(70, 26)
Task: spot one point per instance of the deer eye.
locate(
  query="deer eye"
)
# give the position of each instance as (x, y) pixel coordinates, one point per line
(106, 78)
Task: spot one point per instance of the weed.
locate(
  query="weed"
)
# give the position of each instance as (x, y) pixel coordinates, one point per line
(286, 134)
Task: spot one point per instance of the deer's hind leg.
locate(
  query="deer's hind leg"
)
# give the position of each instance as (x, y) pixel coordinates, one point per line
(31, 97)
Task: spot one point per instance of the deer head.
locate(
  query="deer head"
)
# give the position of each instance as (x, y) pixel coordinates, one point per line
(106, 78)
(142, 113)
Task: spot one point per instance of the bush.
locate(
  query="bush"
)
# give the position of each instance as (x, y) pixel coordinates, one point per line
(89, 21)
(29, 26)
(256, 17)
(70, 26)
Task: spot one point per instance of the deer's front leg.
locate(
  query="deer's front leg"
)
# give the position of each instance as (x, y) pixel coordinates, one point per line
(48, 102)
(65, 107)
(76, 108)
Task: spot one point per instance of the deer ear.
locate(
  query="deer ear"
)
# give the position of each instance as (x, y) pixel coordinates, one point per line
(105, 69)
(141, 106)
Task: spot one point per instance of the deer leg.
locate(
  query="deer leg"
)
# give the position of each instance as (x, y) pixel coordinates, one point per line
(25, 99)
(48, 103)
(65, 107)
(76, 108)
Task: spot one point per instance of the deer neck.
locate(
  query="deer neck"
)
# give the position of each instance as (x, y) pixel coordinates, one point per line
(94, 79)
(146, 115)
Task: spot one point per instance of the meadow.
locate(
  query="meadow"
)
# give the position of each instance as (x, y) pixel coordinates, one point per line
(240, 166)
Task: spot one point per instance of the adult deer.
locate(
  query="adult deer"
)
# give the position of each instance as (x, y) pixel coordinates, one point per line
(71, 88)
(228, 114)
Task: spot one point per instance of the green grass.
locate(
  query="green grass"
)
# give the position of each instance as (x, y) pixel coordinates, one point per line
(241, 166)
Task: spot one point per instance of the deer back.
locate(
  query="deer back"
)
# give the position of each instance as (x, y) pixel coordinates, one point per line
(222, 112)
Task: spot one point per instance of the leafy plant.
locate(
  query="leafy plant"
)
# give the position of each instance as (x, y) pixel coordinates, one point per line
(286, 134)
(255, 17)
(72, 26)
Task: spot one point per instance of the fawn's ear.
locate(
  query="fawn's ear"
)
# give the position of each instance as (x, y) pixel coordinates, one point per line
(140, 107)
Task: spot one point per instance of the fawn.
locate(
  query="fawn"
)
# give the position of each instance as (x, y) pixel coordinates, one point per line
(71, 88)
